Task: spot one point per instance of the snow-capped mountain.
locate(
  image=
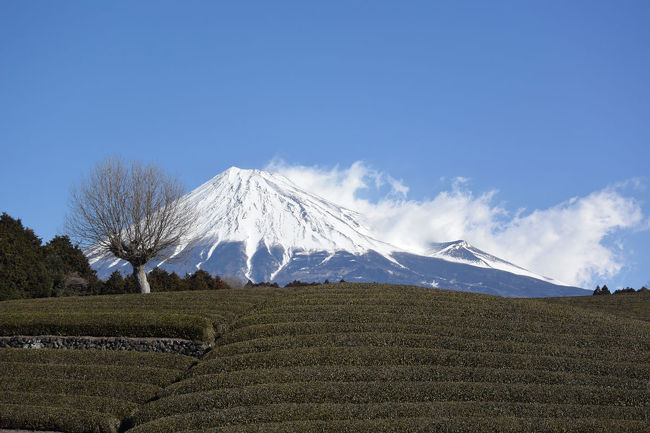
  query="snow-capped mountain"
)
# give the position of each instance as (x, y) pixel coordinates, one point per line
(462, 252)
(260, 226)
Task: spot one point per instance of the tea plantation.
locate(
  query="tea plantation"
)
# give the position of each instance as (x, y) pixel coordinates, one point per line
(336, 358)
(630, 305)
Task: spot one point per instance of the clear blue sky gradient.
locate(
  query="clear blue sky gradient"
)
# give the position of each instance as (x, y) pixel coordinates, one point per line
(541, 100)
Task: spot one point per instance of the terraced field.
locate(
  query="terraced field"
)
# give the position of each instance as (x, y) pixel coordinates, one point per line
(99, 391)
(630, 305)
(370, 358)
(80, 390)
(353, 358)
(190, 315)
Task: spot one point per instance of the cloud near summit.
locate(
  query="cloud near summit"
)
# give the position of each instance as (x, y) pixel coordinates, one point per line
(565, 241)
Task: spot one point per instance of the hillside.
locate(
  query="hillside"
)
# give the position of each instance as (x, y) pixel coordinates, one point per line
(630, 305)
(343, 357)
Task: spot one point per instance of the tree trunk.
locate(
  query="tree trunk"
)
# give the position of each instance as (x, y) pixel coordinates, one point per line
(140, 275)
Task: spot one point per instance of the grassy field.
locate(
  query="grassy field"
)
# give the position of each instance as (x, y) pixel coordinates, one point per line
(344, 357)
(630, 305)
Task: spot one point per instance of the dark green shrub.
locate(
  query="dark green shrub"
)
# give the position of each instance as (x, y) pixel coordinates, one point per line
(56, 418)
(108, 324)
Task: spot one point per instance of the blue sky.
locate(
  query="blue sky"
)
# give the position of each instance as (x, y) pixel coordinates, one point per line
(534, 103)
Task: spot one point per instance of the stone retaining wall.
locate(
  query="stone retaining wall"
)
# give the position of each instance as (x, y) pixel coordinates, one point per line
(164, 345)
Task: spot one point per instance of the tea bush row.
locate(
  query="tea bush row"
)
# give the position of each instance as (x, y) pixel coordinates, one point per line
(108, 325)
(453, 425)
(135, 374)
(384, 392)
(129, 391)
(390, 356)
(443, 330)
(283, 412)
(62, 419)
(515, 323)
(435, 373)
(380, 339)
(120, 409)
(628, 305)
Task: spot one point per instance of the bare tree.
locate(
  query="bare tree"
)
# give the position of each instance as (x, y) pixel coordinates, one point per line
(131, 210)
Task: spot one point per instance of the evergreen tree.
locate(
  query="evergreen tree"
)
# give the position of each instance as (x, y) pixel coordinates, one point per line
(74, 276)
(162, 281)
(200, 280)
(115, 284)
(23, 262)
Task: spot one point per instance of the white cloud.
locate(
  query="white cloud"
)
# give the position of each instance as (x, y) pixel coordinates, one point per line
(566, 241)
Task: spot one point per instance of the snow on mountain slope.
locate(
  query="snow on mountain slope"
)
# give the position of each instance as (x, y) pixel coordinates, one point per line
(266, 210)
(462, 252)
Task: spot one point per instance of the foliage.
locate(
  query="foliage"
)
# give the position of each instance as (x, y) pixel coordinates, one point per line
(357, 358)
(64, 257)
(162, 281)
(59, 268)
(31, 270)
(23, 270)
(69, 420)
(252, 285)
(630, 305)
(370, 357)
(201, 280)
(110, 373)
(116, 284)
(298, 283)
(392, 424)
(625, 290)
(113, 324)
(80, 390)
(113, 406)
(605, 290)
(193, 315)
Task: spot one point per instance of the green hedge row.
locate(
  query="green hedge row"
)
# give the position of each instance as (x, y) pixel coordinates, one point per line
(414, 373)
(111, 373)
(393, 356)
(384, 392)
(519, 323)
(133, 392)
(97, 357)
(486, 310)
(454, 425)
(277, 413)
(381, 339)
(118, 408)
(108, 325)
(56, 418)
(220, 302)
(219, 307)
(597, 341)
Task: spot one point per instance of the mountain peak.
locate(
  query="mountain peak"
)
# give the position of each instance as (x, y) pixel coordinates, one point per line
(461, 251)
(266, 210)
